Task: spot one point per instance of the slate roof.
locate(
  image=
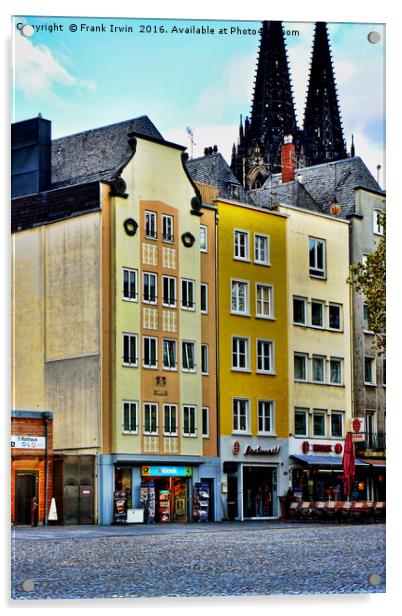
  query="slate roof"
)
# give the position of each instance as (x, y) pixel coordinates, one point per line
(96, 154)
(322, 183)
(214, 170)
(291, 193)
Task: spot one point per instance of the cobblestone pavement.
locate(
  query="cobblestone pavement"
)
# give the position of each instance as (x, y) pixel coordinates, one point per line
(197, 560)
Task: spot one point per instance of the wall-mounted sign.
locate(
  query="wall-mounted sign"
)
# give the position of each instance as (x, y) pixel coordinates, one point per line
(236, 447)
(358, 429)
(321, 447)
(166, 471)
(251, 451)
(28, 442)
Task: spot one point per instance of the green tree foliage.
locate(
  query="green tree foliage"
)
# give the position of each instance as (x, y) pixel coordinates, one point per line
(369, 279)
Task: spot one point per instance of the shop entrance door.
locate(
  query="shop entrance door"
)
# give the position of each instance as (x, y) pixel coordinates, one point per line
(259, 492)
(232, 498)
(25, 490)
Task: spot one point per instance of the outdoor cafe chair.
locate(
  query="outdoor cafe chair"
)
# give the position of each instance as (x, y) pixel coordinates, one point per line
(346, 508)
(294, 510)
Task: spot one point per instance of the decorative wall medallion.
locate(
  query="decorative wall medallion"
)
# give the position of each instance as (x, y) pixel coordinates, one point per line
(130, 226)
(188, 239)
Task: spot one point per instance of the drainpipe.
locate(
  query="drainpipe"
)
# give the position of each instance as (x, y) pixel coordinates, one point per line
(46, 417)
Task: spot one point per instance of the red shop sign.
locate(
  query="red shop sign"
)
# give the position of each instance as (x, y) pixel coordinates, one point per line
(321, 448)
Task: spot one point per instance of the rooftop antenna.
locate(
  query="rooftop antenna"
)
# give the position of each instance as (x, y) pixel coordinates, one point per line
(191, 135)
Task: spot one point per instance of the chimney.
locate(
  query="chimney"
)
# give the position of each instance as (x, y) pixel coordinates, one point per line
(288, 159)
(30, 156)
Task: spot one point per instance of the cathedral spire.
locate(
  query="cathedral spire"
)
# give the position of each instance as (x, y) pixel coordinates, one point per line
(322, 131)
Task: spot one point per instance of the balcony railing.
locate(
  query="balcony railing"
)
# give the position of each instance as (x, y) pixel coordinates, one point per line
(374, 441)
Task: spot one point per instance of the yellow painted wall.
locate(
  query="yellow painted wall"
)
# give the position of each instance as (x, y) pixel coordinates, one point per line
(253, 385)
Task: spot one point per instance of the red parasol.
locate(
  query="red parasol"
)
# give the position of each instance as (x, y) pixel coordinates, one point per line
(348, 464)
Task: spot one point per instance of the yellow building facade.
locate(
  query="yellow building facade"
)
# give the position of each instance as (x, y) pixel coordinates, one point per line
(253, 359)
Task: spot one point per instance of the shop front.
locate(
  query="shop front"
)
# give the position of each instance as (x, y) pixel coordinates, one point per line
(254, 476)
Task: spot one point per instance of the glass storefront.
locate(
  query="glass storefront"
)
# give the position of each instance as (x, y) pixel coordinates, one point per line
(171, 498)
(259, 492)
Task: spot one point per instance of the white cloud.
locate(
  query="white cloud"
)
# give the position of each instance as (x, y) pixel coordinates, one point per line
(204, 136)
(37, 72)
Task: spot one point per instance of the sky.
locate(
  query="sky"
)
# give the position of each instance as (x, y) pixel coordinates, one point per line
(84, 79)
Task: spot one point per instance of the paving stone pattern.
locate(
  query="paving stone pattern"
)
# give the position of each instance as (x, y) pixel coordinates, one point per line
(199, 560)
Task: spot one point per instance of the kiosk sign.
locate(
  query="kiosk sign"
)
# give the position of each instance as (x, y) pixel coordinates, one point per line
(167, 471)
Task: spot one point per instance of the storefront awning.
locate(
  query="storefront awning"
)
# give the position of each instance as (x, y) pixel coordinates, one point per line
(335, 461)
(375, 462)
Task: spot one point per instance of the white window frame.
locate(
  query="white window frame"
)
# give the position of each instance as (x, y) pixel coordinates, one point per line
(342, 414)
(183, 354)
(203, 409)
(236, 246)
(271, 356)
(144, 340)
(204, 230)
(174, 342)
(377, 228)
(314, 270)
(247, 416)
(188, 283)
(167, 304)
(366, 330)
(193, 409)
(127, 298)
(168, 406)
(340, 360)
(153, 215)
(339, 306)
(318, 302)
(246, 311)
(245, 339)
(204, 285)
(205, 349)
(148, 301)
(305, 357)
(165, 237)
(153, 405)
(132, 403)
(271, 404)
(322, 358)
(373, 371)
(132, 364)
(260, 315)
(267, 238)
(321, 413)
(304, 300)
(305, 411)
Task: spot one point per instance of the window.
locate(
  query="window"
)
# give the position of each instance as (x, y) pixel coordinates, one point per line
(335, 321)
(204, 359)
(261, 248)
(170, 419)
(149, 288)
(378, 228)
(130, 417)
(337, 424)
(317, 314)
(205, 422)
(188, 363)
(239, 295)
(241, 245)
(318, 369)
(300, 310)
(240, 354)
(265, 416)
(169, 355)
(265, 356)
(150, 418)
(169, 291)
(203, 238)
(189, 423)
(130, 357)
(369, 371)
(187, 294)
(240, 415)
(300, 362)
(319, 423)
(150, 225)
(366, 318)
(204, 298)
(335, 366)
(129, 284)
(264, 301)
(167, 228)
(316, 257)
(301, 422)
(150, 352)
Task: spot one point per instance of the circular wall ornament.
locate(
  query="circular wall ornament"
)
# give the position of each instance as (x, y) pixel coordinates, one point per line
(130, 226)
(188, 239)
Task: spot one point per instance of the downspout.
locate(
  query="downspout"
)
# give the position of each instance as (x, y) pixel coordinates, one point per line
(46, 417)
